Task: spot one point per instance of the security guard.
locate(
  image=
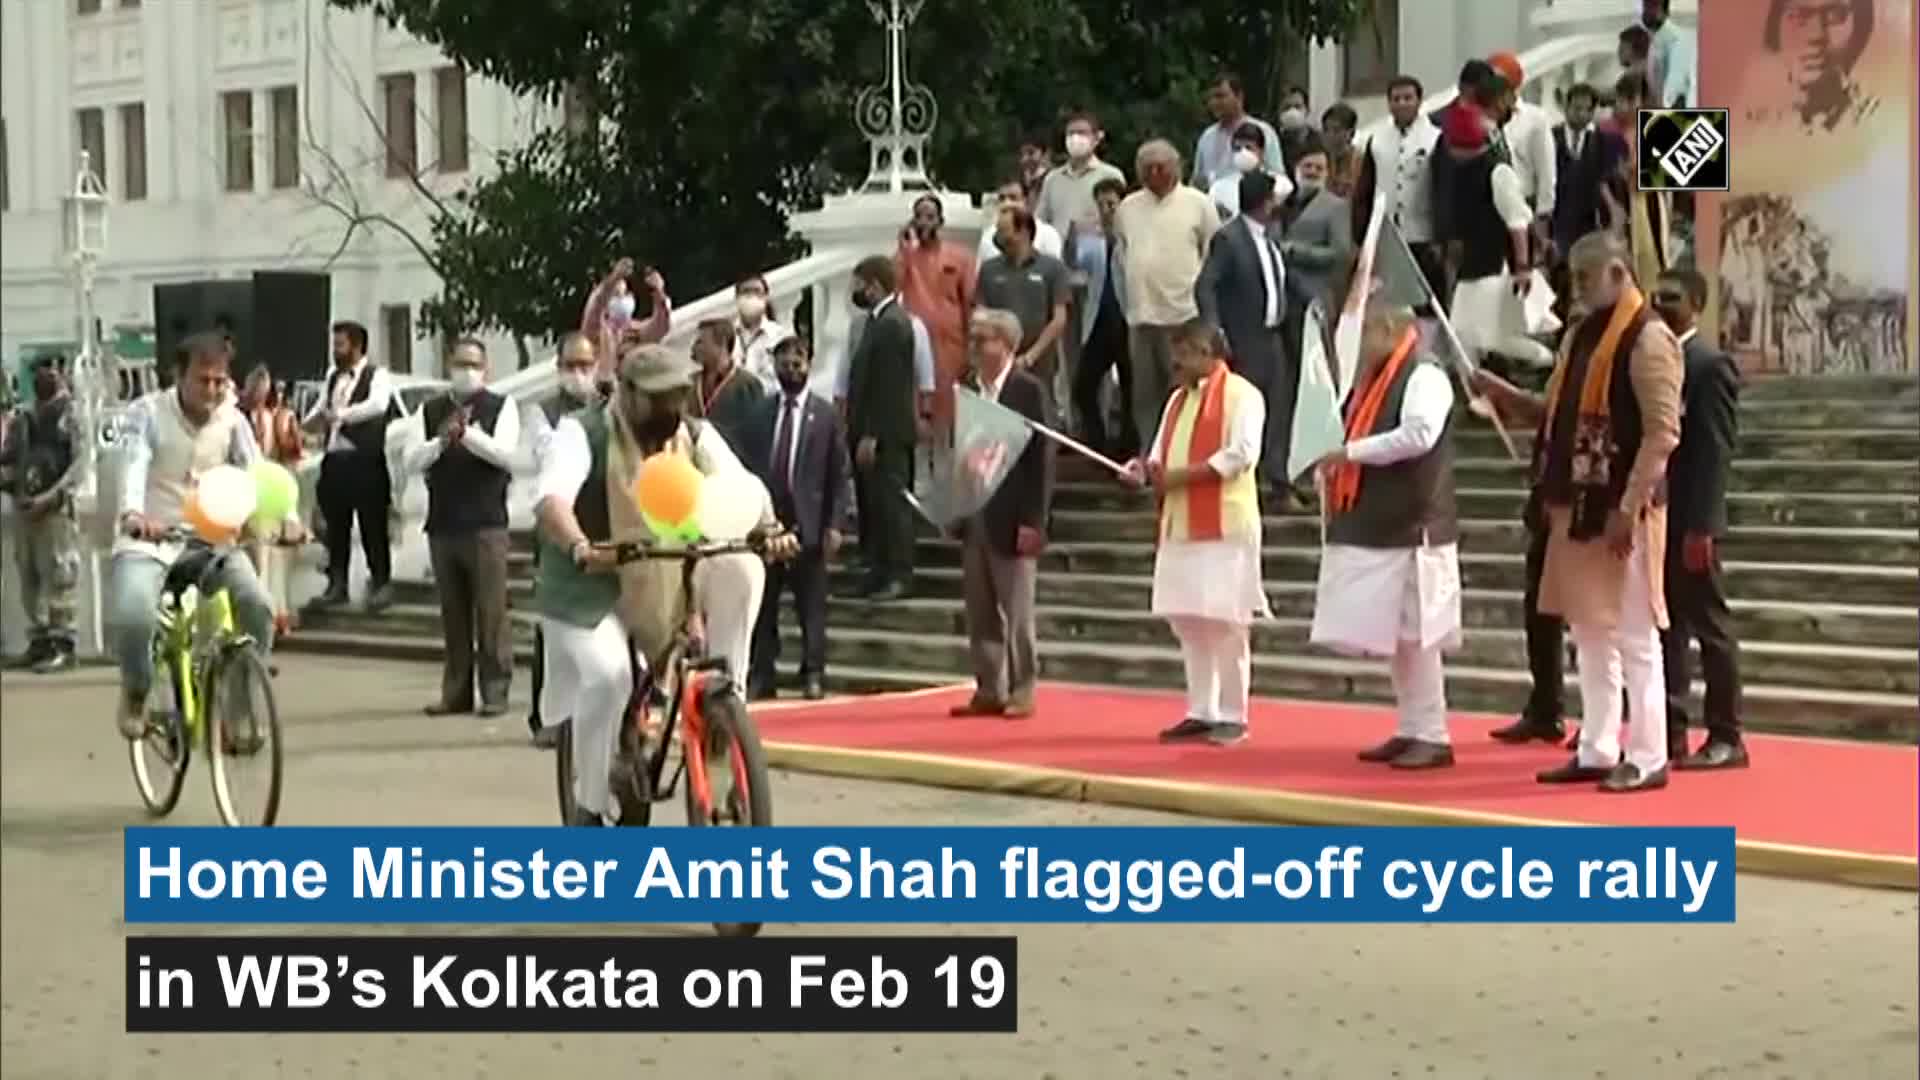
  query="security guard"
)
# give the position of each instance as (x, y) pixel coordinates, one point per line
(42, 460)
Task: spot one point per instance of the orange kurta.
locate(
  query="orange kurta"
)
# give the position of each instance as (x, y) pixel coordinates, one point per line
(936, 284)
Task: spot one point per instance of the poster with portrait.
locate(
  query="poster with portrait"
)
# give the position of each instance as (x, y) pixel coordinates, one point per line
(1814, 239)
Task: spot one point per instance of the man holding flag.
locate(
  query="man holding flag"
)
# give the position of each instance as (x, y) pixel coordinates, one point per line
(1390, 574)
(1206, 572)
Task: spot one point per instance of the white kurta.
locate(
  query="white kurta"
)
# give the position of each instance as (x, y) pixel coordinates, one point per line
(1485, 312)
(1369, 600)
(1215, 579)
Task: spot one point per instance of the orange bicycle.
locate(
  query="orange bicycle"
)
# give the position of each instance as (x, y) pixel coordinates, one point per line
(721, 759)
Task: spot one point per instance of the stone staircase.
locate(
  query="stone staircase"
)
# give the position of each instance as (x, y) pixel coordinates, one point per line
(1823, 568)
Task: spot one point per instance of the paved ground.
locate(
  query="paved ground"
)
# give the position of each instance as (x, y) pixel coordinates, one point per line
(1812, 981)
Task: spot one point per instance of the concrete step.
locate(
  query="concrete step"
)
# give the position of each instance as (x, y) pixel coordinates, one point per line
(1095, 567)
(1814, 389)
(866, 660)
(1747, 543)
(1766, 444)
(1896, 413)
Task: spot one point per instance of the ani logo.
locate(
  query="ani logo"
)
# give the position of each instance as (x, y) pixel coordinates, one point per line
(1684, 150)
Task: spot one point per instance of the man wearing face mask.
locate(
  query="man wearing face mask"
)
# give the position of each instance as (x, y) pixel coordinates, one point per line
(756, 332)
(43, 455)
(575, 365)
(880, 425)
(1066, 196)
(610, 308)
(589, 606)
(472, 442)
(1296, 127)
(1249, 156)
(1609, 420)
(1213, 154)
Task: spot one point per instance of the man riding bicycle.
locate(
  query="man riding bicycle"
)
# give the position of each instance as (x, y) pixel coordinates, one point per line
(589, 605)
(170, 438)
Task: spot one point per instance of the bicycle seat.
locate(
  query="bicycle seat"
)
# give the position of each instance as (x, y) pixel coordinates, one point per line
(195, 567)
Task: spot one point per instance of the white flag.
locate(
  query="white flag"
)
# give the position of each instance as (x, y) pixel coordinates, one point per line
(1317, 427)
(1346, 332)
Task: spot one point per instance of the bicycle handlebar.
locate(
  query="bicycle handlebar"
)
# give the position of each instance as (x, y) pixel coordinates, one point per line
(635, 550)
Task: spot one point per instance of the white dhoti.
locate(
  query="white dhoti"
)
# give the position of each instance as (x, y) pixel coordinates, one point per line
(589, 677)
(1490, 318)
(1400, 603)
(1210, 591)
(1627, 655)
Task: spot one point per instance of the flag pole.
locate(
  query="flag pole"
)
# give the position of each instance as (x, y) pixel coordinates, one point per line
(1078, 447)
(1477, 404)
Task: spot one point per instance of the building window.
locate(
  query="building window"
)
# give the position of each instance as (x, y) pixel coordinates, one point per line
(403, 158)
(87, 7)
(133, 152)
(450, 103)
(93, 140)
(286, 137)
(237, 108)
(396, 330)
(1371, 56)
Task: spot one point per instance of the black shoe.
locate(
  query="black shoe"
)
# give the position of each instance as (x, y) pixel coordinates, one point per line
(448, 708)
(60, 659)
(1574, 773)
(1386, 751)
(1424, 755)
(546, 738)
(1527, 729)
(1627, 776)
(379, 598)
(335, 596)
(1716, 754)
(587, 819)
(1188, 730)
(36, 654)
(892, 590)
(493, 708)
(812, 688)
(761, 691)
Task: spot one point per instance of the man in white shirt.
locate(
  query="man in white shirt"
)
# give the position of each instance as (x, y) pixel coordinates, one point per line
(1402, 155)
(1013, 194)
(1066, 195)
(1390, 575)
(1164, 230)
(1529, 134)
(1672, 64)
(756, 332)
(1213, 154)
(169, 439)
(1249, 156)
(471, 440)
(355, 484)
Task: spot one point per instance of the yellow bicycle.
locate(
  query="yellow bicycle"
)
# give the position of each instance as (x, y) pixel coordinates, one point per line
(221, 694)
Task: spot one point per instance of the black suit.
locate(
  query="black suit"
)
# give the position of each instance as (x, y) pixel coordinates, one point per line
(999, 581)
(1025, 495)
(1697, 491)
(1232, 294)
(1577, 206)
(882, 406)
(818, 497)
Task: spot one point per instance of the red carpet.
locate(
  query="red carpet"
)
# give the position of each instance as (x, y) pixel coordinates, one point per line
(1817, 793)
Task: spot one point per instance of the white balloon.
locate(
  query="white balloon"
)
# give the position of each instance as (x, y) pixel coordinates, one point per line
(227, 496)
(730, 505)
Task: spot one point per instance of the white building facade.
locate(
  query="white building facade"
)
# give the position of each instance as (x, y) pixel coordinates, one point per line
(234, 136)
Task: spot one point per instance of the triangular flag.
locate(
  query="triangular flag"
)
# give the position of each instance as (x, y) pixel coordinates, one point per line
(1346, 332)
(988, 439)
(1317, 427)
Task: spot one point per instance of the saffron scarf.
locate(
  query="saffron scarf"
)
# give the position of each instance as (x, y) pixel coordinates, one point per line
(1202, 498)
(1595, 467)
(1596, 390)
(1343, 487)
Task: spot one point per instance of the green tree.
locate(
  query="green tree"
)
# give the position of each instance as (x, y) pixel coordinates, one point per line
(720, 118)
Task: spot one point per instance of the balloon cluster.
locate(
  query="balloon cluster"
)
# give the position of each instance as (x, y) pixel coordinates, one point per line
(228, 499)
(678, 503)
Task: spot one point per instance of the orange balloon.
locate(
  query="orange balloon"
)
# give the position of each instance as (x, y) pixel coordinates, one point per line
(667, 488)
(203, 526)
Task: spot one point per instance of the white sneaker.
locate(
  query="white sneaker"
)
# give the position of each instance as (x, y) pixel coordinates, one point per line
(132, 717)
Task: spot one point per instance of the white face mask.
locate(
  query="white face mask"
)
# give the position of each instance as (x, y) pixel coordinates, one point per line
(466, 382)
(1079, 146)
(1306, 186)
(620, 308)
(1246, 160)
(577, 385)
(1293, 117)
(751, 306)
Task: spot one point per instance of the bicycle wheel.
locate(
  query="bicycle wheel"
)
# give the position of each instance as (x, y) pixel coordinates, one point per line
(631, 780)
(726, 781)
(243, 738)
(563, 772)
(160, 757)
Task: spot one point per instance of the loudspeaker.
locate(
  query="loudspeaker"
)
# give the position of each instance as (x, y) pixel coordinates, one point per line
(279, 319)
(292, 321)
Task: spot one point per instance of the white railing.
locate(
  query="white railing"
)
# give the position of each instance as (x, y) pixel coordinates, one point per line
(1551, 67)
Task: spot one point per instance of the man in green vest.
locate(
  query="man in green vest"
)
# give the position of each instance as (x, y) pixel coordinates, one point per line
(589, 606)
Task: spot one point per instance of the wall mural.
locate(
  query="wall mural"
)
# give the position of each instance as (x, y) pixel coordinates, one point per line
(1812, 280)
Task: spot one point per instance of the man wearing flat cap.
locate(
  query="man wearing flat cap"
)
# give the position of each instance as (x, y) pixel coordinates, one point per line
(588, 605)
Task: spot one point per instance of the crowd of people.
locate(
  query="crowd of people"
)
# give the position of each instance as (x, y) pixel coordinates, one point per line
(1187, 291)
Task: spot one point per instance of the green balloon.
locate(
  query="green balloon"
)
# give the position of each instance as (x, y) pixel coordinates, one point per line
(277, 493)
(685, 532)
